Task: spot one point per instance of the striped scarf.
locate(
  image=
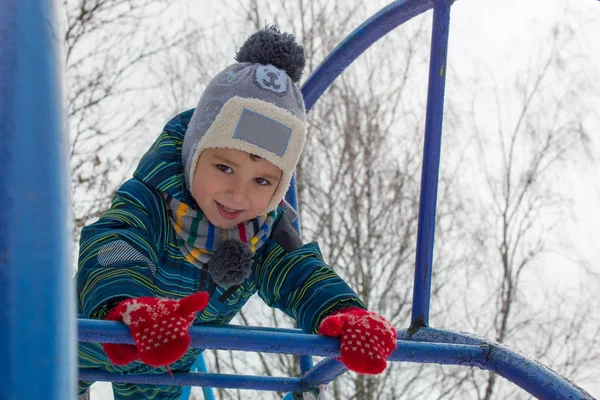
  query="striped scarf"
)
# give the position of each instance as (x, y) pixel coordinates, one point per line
(198, 239)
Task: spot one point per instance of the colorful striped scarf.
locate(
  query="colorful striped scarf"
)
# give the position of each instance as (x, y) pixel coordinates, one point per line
(198, 239)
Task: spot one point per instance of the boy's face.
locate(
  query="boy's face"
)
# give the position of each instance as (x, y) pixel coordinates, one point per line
(231, 186)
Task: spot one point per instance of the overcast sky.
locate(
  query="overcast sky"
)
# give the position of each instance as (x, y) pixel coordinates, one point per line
(506, 33)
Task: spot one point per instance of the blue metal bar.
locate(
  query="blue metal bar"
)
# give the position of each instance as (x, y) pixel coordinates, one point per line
(199, 366)
(357, 42)
(199, 379)
(187, 390)
(339, 59)
(306, 363)
(416, 345)
(36, 294)
(324, 372)
(532, 376)
(431, 164)
(425, 346)
(255, 328)
(222, 338)
(277, 342)
(202, 367)
(264, 341)
(292, 198)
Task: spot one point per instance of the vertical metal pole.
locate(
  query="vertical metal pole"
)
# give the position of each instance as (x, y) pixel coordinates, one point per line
(206, 391)
(199, 366)
(306, 362)
(37, 317)
(431, 163)
(292, 198)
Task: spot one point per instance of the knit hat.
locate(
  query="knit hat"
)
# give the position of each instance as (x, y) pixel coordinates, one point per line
(254, 106)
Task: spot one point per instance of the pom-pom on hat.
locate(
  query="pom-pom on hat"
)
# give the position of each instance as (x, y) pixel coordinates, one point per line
(254, 106)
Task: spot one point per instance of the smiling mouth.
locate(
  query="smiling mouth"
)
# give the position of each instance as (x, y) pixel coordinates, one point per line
(230, 211)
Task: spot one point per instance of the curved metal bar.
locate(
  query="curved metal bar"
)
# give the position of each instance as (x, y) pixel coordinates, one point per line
(424, 346)
(341, 57)
(420, 345)
(357, 42)
(530, 375)
(323, 373)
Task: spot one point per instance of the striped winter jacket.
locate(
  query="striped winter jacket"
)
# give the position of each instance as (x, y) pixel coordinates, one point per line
(131, 252)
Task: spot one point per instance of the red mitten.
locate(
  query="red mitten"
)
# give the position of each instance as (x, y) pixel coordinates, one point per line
(159, 328)
(366, 338)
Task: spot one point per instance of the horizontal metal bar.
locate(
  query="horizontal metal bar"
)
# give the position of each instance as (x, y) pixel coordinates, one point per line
(274, 341)
(198, 379)
(223, 338)
(423, 346)
(324, 372)
(256, 328)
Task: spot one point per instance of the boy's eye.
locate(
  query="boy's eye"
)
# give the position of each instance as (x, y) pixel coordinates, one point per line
(262, 181)
(224, 168)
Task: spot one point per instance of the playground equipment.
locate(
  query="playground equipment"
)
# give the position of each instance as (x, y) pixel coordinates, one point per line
(37, 337)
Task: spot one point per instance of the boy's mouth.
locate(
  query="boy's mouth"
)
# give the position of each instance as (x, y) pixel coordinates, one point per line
(227, 212)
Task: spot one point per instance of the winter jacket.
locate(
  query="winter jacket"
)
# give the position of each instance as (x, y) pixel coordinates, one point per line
(131, 251)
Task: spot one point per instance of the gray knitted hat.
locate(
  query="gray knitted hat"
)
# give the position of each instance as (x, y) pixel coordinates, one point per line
(254, 106)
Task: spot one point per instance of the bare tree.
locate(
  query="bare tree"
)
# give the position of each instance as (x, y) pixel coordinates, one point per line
(358, 180)
(358, 198)
(522, 151)
(107, 45)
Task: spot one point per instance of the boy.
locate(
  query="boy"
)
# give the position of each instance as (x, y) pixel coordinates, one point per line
(202, 226)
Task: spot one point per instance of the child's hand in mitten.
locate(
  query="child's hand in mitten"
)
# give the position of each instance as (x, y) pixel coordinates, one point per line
(159, 328)
(366, 338)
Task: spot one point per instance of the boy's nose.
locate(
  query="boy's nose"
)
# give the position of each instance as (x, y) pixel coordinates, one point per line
(236, 193)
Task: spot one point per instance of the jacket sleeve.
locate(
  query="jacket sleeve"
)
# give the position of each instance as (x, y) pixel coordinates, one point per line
(117, 253)
(295, 279)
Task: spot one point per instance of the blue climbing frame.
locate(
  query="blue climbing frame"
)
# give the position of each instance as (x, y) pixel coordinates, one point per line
(35, 285)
